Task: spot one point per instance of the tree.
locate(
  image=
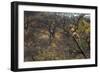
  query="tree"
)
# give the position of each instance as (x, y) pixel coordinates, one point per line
(72, 31)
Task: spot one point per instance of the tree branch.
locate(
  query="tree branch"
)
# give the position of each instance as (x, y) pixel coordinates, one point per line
(83, 53)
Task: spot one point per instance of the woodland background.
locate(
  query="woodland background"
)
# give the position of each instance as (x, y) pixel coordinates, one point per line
(56, 36)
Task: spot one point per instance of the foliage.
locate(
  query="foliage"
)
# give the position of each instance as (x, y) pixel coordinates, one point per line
(49, 54)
